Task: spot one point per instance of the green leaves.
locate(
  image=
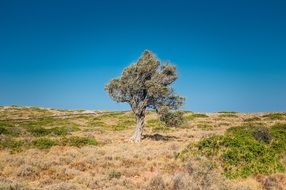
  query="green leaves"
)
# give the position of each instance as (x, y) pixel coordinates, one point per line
(245, 150)
(146, 84)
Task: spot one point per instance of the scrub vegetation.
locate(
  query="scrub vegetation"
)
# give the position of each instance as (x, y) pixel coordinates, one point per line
(78, 149)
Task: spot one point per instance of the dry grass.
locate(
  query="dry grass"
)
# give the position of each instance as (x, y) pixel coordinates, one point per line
(113, 162)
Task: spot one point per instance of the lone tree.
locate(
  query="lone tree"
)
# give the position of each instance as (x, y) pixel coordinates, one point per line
(146, 84)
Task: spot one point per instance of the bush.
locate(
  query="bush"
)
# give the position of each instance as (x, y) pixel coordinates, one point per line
(3, 130)
(44, 143)
(39, 131)
(228, 114)
(6, 184)
(11, 131)
(195, 115)
(114, 174)
(26, 171)
(180, 182)
(275, 116)
(156, 183)
(56, 131)
(244, 151)
(9, 143)
(79, 141)
(262, 134)
(171, 118)
(204, 126)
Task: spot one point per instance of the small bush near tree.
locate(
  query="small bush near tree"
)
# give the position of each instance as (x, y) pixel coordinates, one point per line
(172, 119)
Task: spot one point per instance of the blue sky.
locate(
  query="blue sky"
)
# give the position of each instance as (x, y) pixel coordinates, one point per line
(231, 55)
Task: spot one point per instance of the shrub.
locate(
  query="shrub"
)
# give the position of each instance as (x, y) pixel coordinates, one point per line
(3, 130)
(275, 116)
(26, 171)
(124, 123)
(262, 134)
(79, 141)
(244, 151)
(62, 131)
(172, 119)
(44, 143)
(12, 144)
(156, 183)
(11, 131)
(228, 114)
(39, 131)
(56, 131)
(114, 174)
(180, 182)
(204, 126)
(252, 119)
(6, 184)
(195, 115)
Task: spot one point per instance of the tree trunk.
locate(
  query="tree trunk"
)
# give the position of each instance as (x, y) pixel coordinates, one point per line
(139, 128)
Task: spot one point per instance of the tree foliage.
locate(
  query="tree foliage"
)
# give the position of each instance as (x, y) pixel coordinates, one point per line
(146, 84)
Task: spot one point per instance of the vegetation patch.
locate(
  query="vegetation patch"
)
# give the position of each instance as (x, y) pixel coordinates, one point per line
(114, 174)
(12, 144)
(172, 118)
(79, 141)
(252, 119)
(157, 126)
(275, 116)
(228, 114)
(115, 121)
(46, 122)
(44, 143)
(55, 131)
(205, 126)
(244, 151)
(10, 131)
(195, 115)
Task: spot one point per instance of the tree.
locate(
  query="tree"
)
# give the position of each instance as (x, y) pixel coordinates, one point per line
(146, 85)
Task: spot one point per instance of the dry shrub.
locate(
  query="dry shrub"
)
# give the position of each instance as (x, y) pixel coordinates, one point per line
(63, 173)
(199, 174)
(114, 174)
(6, 184)
(63, 186)
(156, 183)
(181, 181)
(87, 180)
(69, 156)
(273, 182)
(27, 171)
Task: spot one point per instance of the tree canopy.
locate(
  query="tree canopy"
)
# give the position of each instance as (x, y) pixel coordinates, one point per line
(146, 84)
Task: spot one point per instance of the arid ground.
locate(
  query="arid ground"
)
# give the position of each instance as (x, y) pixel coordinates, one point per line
(65, 150)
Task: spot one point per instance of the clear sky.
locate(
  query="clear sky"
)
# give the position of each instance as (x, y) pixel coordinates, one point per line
(231, 55)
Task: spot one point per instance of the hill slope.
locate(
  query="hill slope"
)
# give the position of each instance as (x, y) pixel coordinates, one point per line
(64, 149)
